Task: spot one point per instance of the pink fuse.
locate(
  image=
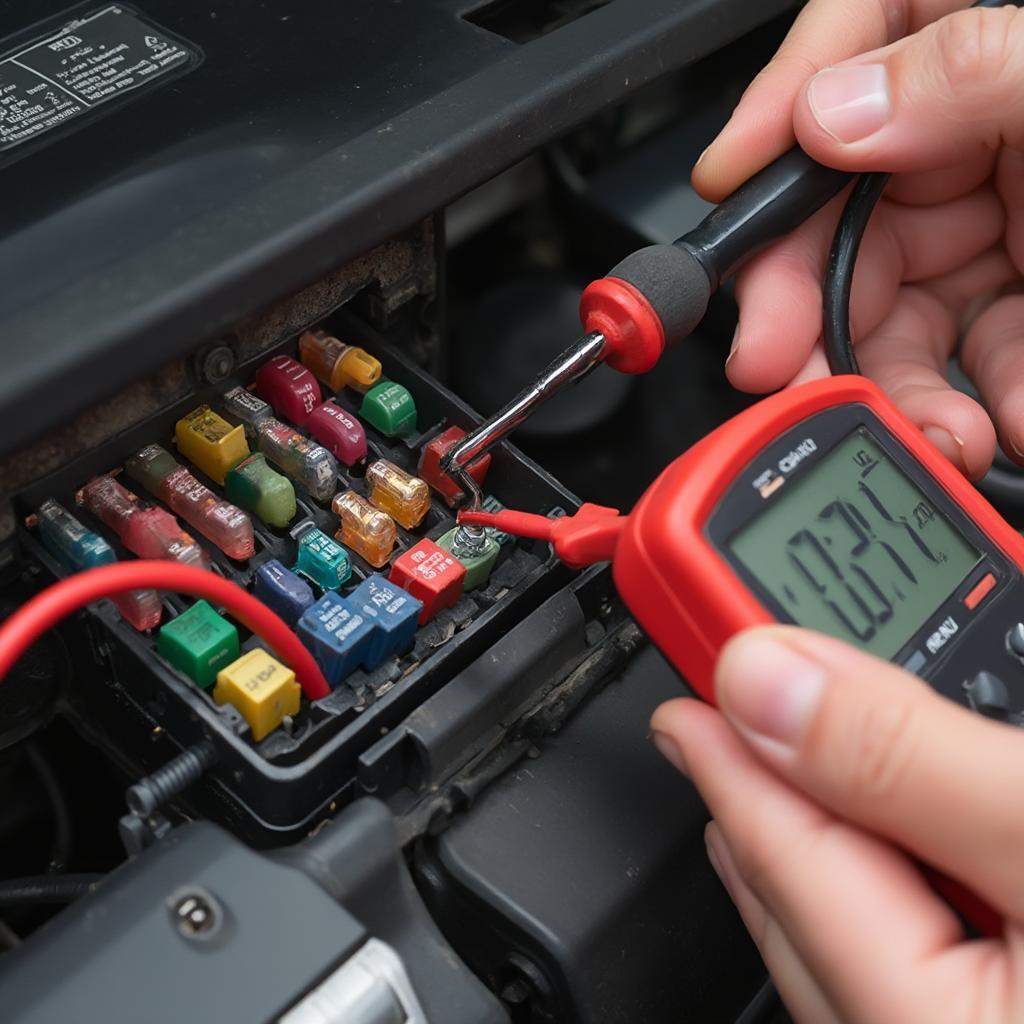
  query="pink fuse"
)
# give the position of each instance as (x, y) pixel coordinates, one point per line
(146, 532)
(219, 521)
(290, 388)
(343, 436)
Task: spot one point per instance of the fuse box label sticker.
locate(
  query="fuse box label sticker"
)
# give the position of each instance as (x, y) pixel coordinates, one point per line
(104, 54)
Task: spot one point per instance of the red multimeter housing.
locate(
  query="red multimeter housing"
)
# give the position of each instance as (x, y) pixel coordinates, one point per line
(847, 521)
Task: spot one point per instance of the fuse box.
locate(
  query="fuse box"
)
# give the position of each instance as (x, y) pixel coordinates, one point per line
(282, 763)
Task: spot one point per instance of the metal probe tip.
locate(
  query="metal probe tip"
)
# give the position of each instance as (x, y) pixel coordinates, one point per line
(570, 367)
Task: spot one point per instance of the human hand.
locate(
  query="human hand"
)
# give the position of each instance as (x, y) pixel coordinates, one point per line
(941, 107)
(822, 767)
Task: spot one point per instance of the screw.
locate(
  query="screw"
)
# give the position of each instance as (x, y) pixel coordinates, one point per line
(218, 364)
(196, 914)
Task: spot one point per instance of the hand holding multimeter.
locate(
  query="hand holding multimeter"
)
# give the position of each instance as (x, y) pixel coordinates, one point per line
(826, 506)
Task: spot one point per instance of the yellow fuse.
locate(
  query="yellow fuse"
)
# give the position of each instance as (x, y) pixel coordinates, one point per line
(336, 364)
(368, 531)
(404, 497)
(210, 442)
(261, 689)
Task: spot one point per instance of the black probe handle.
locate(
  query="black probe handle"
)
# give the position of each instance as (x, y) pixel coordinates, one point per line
(768, 207)
(675, 282)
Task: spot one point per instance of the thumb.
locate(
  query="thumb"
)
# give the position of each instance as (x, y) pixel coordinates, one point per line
(934, 99)
(883, 751)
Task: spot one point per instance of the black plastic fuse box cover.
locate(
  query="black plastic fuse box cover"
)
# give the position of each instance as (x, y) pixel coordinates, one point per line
(298, 136)
(272, 790)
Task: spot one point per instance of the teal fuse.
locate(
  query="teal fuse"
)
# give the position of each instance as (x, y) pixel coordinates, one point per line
(64, 536)
(323, 560)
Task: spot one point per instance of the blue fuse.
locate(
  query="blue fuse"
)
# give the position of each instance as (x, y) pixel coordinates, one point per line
(337, 634)
(394, 613)
(282, 591)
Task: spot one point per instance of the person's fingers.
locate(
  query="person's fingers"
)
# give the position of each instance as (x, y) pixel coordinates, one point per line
(779, 292)
(970, 289)
(879, 748)
(992, 355)
(796, 985)
(926, 188)
(826, 32)
(856, 910)
(1010, 184)
(940, 97)
(907, 356)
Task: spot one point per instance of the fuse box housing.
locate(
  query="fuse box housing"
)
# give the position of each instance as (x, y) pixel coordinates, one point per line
(139, 707)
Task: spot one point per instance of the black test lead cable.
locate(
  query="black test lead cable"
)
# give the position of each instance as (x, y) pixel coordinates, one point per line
(842, 260)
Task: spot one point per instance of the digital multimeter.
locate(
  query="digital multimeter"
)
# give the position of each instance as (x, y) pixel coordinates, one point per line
(822, 506)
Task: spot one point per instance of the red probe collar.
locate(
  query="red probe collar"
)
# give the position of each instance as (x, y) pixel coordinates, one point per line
(588, 537)
(634, 335)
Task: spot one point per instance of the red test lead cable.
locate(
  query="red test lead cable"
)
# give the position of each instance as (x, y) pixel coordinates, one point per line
(57, 602)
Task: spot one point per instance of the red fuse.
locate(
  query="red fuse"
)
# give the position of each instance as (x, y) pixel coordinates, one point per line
(430, 466)
(431, 575)
(290, 388)
(343, 436)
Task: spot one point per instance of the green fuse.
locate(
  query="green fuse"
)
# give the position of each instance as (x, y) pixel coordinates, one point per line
(199, 643)
(478, 558)
(254, 486)
(322, 560)
(389, 408)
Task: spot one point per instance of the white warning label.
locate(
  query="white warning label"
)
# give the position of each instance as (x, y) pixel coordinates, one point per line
(88, 62)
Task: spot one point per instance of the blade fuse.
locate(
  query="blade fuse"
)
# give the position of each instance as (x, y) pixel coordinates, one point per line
(306, 462)
(289, 387)
(339, 433)
(432, 575)
(329, 424)
(146, 532)
(322, 560)
(336, 364)
(264, 492)
(368, 531)
(250, 410)
(78, 548)
(219, 521)
(431, 471)
(403, 496)
(210, 442)
(389, 408)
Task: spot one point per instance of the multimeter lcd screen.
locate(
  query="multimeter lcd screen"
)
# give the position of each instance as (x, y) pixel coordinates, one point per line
(856, 549)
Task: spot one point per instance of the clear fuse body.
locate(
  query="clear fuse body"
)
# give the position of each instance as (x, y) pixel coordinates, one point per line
(248, 409)
(403, 496)
(366, 530)
(219, 521)
(78, 548)
(146, 532)
(305, 461)
(336, 364)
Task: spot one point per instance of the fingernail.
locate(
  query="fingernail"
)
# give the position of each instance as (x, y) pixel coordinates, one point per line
(669, 749)
(947, 442)
(1017, 451)
(851, 103)
(700, 159)
(769, 690)
(734, 347)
